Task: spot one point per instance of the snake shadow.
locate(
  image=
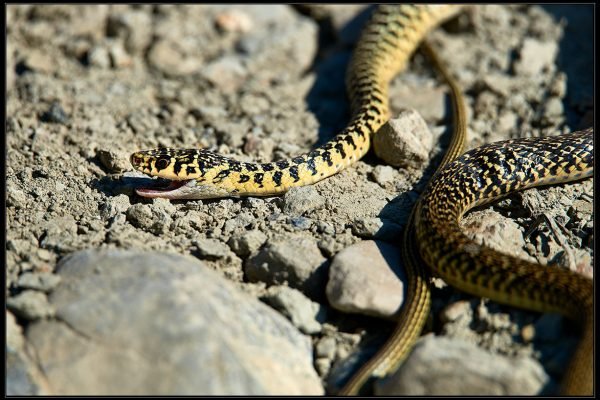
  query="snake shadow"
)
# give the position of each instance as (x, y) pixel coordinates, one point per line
(327, 99)
(576, 59)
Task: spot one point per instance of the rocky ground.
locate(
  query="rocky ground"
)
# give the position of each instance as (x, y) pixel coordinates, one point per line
(109, 293)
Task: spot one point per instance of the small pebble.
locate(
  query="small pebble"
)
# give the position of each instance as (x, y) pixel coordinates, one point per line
(246, 243)
(30, 305)
(404, 141)
(535, 55)
(299, 200)
(44, 282)
(234, 21)
(113, 161)
(211, 249)
(55, 114)
(292, 259)
(383, 174)
(301, 311)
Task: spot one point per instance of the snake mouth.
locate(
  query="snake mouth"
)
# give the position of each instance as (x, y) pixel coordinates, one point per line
(172, 191)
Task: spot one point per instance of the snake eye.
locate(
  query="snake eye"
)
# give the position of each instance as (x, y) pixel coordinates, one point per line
(162, 163)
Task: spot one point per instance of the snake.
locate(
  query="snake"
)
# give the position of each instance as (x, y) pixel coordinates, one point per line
(433, 237)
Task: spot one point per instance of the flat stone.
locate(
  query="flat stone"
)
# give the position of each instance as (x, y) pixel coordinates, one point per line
(181, 327)
(367, 278)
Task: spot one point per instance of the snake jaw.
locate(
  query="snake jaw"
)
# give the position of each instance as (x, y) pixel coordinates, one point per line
(174, 190)
(189, 189)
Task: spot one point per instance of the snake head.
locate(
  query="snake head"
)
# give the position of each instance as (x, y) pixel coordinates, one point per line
(189, 171)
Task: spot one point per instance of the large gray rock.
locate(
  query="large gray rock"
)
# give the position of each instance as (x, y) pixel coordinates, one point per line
(442, 366)
(160, 324)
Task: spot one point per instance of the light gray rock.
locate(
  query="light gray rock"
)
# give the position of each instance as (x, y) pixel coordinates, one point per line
(22, 376)
(376, 228)
(305, 314)
(140, 215)
(99, 57)
(15, 197)
(152, 218)
(292, 259)
(535, 56)
(212, 249)
(182, 328)
(133, 26)
(115, 205)
(493, 230)
(166, 56)
(60, 233)
(429, 100)
(442, 366)
(404, 141)
(299, 200)
(325, 347)
(43, 281)
(383, 174)
(553, 108)
(113, 161)
(367, 278)
(30, 305)
(226, 73)
(246, 243)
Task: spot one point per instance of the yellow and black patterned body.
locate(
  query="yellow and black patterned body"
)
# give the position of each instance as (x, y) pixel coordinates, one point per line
(486, 174)
(385, 46)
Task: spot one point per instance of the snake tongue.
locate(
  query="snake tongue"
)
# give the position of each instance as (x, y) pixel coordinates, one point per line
(169, 192)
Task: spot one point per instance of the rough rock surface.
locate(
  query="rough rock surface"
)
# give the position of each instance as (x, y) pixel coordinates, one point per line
(174, 322)
(450, 367)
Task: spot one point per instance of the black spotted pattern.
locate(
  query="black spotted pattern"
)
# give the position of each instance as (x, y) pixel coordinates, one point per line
(283, 164)
(327, 158)
(222, 175)
(340, 148)
(258, 179)
(294, 173)
(277, 175)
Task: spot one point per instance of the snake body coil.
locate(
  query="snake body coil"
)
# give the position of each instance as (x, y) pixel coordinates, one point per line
(478, 176)
(486, 174)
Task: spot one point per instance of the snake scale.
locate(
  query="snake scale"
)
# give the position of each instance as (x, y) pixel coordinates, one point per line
(433, 236)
